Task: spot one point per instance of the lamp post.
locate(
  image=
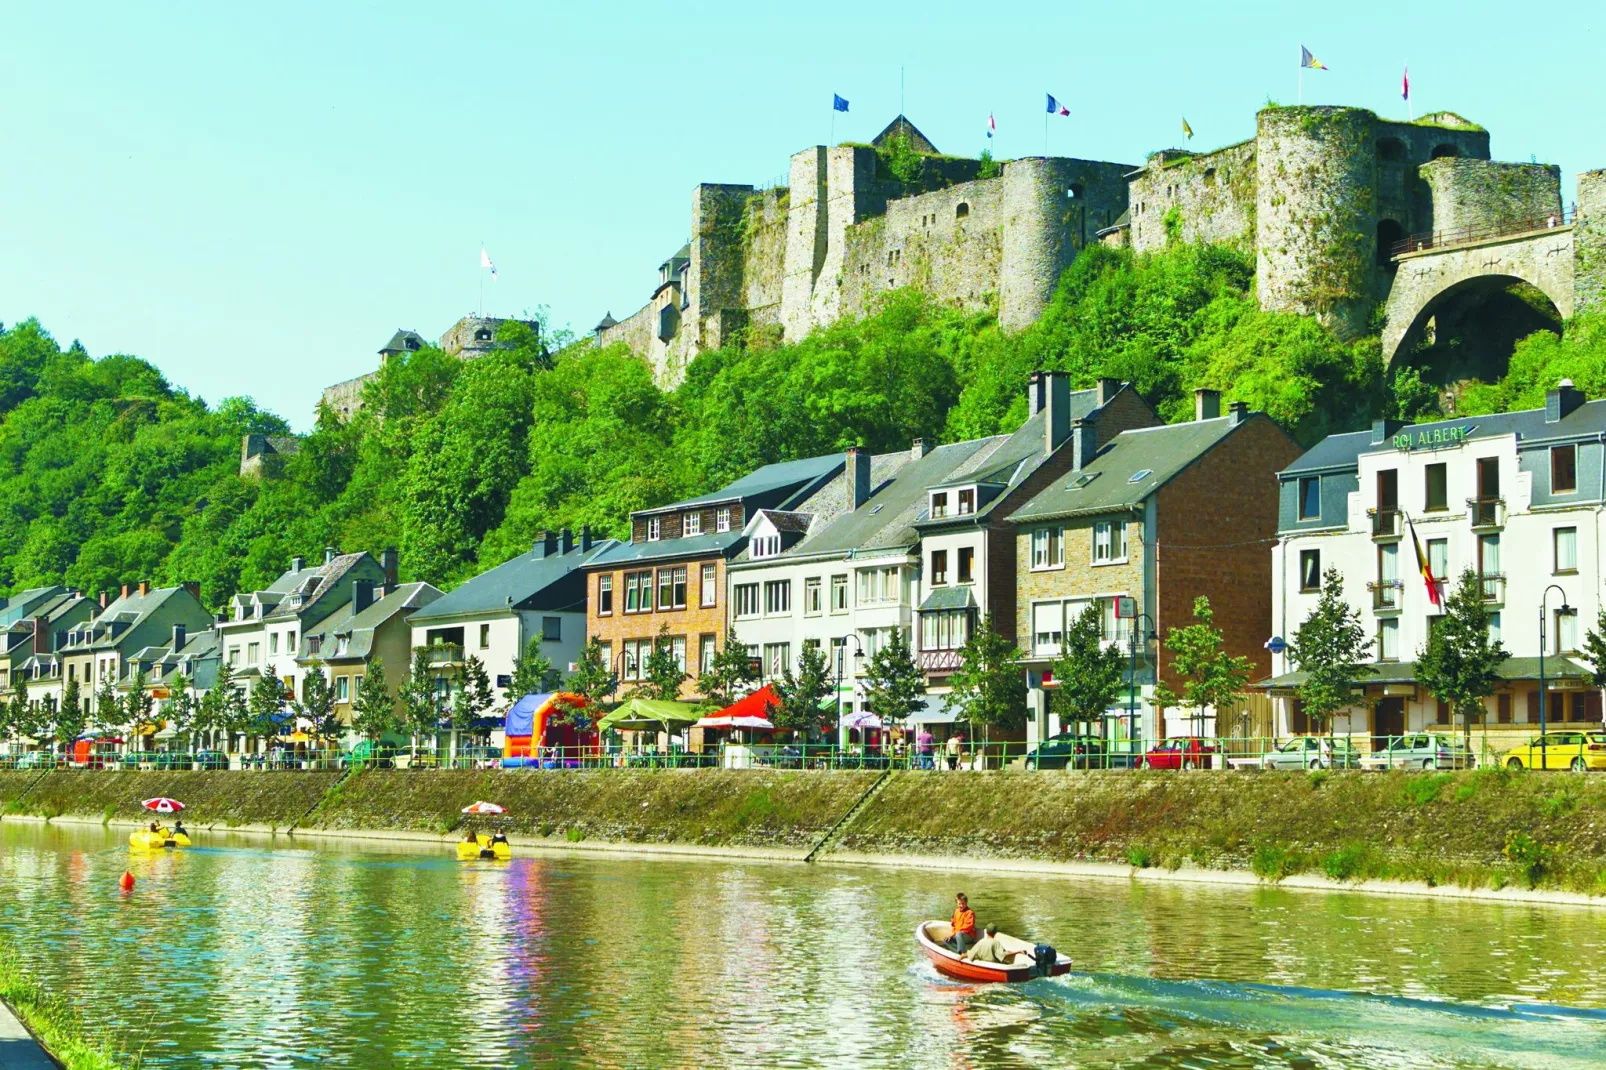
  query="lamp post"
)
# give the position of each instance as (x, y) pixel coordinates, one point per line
(842, 656)
(1132, 674)
(1544, 756)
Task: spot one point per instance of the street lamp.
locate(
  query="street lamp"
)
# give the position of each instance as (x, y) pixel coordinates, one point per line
(1543, 696)
(1132, 675)
(842, 656)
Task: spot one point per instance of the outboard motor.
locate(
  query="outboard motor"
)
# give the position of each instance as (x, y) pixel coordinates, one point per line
(1044, 959)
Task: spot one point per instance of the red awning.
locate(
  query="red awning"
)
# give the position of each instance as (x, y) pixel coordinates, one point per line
(750, 712)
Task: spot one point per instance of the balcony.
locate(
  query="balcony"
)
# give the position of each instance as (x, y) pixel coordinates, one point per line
(1386, 595)
(1494, 588)
(1385, 523)
(443, 655)
(939, 661)
(1487, 512)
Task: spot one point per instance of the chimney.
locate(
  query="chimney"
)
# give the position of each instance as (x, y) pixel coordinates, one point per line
(390, 561)
(1108, 388)
(1383, 430)
(1237, 412)
(180, 634)
(125, 591)
(1560, 402)
(362, 596)
(103, 600)
(297, 563)
(41, 636)
(329, 554)
(1035, 387)
(144, 588)
(1057, 403)
(1206, 404)
(546, 544)
(194, 587)
(1084, 444)
(585, 537)
(565, 541)
(856, 470)
(920, 448)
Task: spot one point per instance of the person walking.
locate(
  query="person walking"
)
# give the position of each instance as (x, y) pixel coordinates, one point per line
(954, 742)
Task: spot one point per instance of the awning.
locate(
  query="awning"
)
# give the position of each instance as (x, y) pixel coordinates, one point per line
(640, 713)
(949, 598)
(862, 719)
(937, 710)
(1404, 672)
(750, 712)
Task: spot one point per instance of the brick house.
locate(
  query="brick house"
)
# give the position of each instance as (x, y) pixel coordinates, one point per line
(672, 571)
(1161, 515)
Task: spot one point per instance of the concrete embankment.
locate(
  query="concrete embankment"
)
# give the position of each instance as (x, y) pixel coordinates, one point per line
(1487, 831)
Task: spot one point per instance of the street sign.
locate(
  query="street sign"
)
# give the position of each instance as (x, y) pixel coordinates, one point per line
(1126, 607)
(1276, 644)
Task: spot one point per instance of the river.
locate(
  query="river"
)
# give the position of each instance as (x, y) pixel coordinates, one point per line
(245, 951)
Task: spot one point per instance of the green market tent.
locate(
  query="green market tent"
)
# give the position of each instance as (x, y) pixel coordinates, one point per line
(639, 713)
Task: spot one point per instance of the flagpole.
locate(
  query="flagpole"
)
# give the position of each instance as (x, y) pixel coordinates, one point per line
(482, 281)
(1045, 133)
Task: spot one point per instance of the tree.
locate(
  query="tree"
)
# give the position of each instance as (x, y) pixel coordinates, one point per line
(1212, 678)
(14, 711)
(265, 707)
(139, 704)
(421, 711)
(663, 673)
(213, 714)
(989, 687)
(893, 682)
(533, 672)
(374, 712)
(1594, 650)
(1460, 663)
(802, 694)
(473, 698)
(1088, 673)
(109, 706)
(592, 678)
(181, 709)
(70, 717)
(1333, 651)
(317, 704)
(730, 674)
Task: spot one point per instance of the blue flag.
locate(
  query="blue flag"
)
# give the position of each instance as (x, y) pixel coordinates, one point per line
(1055, 107)
(838, 103)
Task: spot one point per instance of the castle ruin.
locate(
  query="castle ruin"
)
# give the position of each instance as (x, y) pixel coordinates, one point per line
(467, 339)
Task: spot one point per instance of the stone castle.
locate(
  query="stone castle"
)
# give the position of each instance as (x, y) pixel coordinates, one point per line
(1347, 215)
(468, 338)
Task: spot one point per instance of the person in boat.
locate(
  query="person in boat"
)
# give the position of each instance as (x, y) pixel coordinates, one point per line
(156, 828)
(964, 924)
(989, 949)
(178, 827)
(498, 836)
(470, 837)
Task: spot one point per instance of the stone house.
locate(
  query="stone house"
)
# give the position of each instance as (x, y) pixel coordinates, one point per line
(99, 651)
(33, 626)
(672, 572)
(373, 628)
(186, 660)
(1158, 515)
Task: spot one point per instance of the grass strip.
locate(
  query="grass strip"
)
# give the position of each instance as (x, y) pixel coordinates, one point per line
(56, 1024)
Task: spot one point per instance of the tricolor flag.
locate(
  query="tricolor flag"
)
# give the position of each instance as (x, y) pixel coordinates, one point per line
(1186, 129)
(1308, 60)
(1425, 568)
(991, 126)
(1055, 107)
(1405, 85)
(485, 262)
(839, 103)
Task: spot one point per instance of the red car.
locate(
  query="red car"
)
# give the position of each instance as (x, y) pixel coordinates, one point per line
(1179, 752)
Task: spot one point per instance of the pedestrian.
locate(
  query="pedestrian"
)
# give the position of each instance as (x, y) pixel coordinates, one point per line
(954, 742)
(923, 744)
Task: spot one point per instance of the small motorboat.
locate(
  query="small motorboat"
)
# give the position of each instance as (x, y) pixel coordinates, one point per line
(1025, 967)
(482, 847)
(146, 840)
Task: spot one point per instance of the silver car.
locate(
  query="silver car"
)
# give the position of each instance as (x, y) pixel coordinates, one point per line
(1424, 750)
(1311, 752)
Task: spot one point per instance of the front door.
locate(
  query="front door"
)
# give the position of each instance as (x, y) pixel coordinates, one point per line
(1387, 720)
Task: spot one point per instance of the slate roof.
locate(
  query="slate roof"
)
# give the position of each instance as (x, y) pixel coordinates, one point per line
(304, 595)
(1107, 484)
(25, 604)
(515, 584)
(1344, 451)
(398, 342)
(1404, 672)
(957, 597)
(787, 521)
(782, 479)
(129, 612)
(711, 545)
(357, 629)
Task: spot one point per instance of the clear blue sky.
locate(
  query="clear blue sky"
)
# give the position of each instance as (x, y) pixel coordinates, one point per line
(255, 197)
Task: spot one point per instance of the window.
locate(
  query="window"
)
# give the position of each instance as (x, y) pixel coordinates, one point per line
(709, 585)
(1566, 549)
(1494, 627)
(273, 642)
(692, 524)
(1109, 542)
(1502, 708)
(1566, 631)
(356, 683)
(552, 629)
(1310, 570)
(706, 649)
(967, 501)
(777, 597)
(1563, 469)
(878, 586)
(813, 601)
(961, 210)
(1048, 629)
(1439, 561)
(839, 593)
(747, 599)
(234, 657)
(1388, 639)
(967, 564)
(634, 652)
(289, 641)
(722, 518)
(605, 595)
(766, 545)
(342, 688)
(939, 504)
(638, 592)
(777, 658)
(655, 528)
(1310, 498)
(672, 588)
(939, 567)
(253, 653)
(677, 649)
(1048, 548)
(485, 636)
(1114, 629)
(1435, 491)
(944, 630)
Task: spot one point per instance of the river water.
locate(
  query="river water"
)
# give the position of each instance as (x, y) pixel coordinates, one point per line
(250, 952)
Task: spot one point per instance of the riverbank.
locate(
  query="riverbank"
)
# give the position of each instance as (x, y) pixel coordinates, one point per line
(1481, 834)
(51, 1026)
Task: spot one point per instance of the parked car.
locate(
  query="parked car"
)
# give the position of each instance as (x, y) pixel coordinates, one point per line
(1311, 752)
(210, 759)
(1179, 752)
(1578, 751)
(1068, 751)
(1421, 751)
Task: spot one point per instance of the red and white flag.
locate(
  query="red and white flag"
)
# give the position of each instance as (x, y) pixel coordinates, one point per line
(1405, 85)
(991, 126)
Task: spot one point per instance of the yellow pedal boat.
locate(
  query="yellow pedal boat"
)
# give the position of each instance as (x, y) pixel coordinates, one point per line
(146, 840)
(482, 847)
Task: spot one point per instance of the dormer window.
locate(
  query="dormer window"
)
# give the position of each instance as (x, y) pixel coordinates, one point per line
(939, 504)
(967, 501)
(722, 518)
(692, 524)
(655, 528)
(766, 545)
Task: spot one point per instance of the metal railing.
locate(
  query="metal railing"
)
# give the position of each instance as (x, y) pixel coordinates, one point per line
(1438, 239)
(1385, 522)
(1386, 594)
(1487, 512)
(443, 654)
(1494, 587)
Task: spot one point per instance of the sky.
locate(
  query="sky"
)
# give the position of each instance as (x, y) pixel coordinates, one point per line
(253, 197)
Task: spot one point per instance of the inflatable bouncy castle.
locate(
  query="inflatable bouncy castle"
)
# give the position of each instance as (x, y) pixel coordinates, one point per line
(537, 735)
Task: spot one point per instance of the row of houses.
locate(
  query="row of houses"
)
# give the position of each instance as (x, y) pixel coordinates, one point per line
(1091, 501)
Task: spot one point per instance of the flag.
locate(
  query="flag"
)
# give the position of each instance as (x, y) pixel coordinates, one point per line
(1055, 107)
(839, 103)
(1186, 129)
(1405, 85)
(485, 262)
(1426, 569)
(991, 126)
(1308, 60)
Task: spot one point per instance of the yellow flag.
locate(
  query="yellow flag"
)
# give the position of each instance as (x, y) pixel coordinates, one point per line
(1186, 129)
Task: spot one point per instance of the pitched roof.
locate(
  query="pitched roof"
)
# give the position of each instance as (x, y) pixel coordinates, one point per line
(709, 545)
(1129, 468)
(902, 127)
(781, 479)
(961, 597)
(127, 611)
(357, 629)
(25, 604)
(514, 584)
(313, 584)
(398, 342)
(781, 520)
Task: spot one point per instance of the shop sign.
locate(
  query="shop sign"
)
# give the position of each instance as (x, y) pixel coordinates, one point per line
(1435, 438)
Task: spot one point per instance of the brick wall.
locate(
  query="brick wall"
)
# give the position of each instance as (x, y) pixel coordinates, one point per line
(1079, 577)
(689, 623)
(1126, 411)
(1216, 524)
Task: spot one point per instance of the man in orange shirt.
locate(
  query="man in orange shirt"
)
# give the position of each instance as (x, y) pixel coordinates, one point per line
(964, 924)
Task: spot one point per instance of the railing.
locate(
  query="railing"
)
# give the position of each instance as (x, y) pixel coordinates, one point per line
(1386, 593)
(1487, 512)
(444, 654)
(1385, 522)
(1419, 243)
(940, 660)
(1494, 587)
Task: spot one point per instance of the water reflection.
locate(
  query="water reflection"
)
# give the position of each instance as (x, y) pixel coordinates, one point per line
(243, 952)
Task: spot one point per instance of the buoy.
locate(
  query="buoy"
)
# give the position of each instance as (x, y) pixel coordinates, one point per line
(127, 883)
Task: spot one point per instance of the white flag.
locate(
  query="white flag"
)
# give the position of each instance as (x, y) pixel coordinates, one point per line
(485, 262)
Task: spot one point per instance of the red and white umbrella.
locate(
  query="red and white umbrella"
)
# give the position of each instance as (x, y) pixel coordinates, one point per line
(163, 805)
(484, 808)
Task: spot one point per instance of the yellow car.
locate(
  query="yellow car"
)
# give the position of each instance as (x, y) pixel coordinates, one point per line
(1578, 751)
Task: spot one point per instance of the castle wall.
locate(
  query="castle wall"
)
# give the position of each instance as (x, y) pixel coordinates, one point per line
(717, 262)
(346, 398)
(764, 256)
(1052, 208)
(1589, 243)
(947, 244)
(806, 230)
(1480, 194)
(1213, 195)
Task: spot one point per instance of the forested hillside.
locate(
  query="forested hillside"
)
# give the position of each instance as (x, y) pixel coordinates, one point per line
(108, 474)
